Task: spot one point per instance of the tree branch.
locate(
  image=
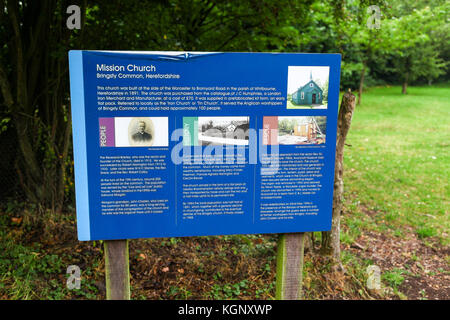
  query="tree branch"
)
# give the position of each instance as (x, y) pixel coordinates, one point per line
(6, 88)
(35, 36)
(13, 13)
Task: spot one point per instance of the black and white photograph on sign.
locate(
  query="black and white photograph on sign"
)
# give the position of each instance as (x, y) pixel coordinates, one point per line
(302, 130)
(307, 87)
(142, 132)
(223, 131)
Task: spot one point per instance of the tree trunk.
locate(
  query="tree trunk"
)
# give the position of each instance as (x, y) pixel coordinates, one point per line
(331, 239)
(309, 242)
(405, 83)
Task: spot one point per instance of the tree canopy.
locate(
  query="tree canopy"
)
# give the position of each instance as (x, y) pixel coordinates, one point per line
(410, 46)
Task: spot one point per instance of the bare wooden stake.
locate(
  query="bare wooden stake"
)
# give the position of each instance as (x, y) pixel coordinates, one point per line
(117, 270)
(290, 266)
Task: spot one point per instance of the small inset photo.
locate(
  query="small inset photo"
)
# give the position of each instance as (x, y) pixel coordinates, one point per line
(307, 87)
(294, 130)
(205, 131)
(141, 132)
(302, 130)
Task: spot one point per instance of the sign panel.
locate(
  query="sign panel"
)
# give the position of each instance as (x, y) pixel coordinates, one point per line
(184, 144)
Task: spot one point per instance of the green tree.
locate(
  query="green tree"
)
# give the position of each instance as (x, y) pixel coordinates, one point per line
(34, 87)
(34, 82)
(197, 25)
(414, 53)
(363, 41)
(325, 91)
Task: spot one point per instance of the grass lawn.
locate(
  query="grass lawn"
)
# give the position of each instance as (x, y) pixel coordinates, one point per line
(398, 162)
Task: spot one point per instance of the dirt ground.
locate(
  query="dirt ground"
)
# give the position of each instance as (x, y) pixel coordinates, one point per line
(423, 266)
(243, 267)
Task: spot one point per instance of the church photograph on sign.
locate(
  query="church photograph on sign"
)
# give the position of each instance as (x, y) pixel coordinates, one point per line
(223, 130)
(307, 87)
(301, 130)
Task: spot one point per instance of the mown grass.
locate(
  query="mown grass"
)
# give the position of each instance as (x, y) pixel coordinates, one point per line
(397, 162)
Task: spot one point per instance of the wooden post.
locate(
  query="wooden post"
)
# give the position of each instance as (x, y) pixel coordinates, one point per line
(290, 266)
(117, 270)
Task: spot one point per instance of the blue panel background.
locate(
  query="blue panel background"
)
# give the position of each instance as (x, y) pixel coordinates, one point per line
(216, 69)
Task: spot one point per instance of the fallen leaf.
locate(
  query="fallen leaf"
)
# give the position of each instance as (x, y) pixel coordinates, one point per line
(16, 220)
(142, 256)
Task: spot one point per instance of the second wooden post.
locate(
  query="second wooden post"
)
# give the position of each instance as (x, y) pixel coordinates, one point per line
(290, 254)
(117, 270)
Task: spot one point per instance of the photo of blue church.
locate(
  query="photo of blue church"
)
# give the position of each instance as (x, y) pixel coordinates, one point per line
(307, 87)
(309, 94)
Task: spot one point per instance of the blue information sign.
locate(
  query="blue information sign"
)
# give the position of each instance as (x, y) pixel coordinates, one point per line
(171, 144)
